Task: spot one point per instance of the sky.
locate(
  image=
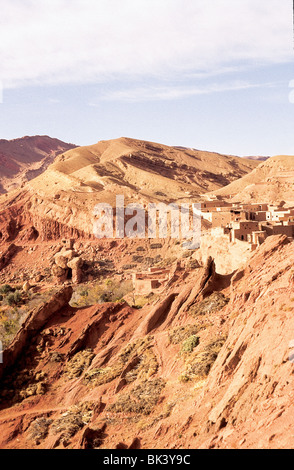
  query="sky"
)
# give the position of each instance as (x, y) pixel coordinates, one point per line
(214, 75)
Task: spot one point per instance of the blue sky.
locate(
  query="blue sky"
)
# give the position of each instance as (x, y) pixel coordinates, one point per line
(208, 74)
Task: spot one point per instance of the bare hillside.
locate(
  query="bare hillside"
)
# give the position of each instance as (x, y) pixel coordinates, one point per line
(23, 159)
(272, 181)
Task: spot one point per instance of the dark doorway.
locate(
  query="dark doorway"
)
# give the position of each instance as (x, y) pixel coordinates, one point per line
(69, 274)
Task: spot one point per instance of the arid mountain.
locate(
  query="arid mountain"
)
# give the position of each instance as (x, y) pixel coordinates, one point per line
(148, 169)
(260, 159)
(23, 159)
(251, 157)
(67, 192)
(272, 181)
(208, 364)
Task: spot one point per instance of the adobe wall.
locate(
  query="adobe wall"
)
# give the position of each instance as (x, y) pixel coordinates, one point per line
(242, 230)
(214, 204)
(146, 282)
(220, 218)
(279, 230)
(142, 286)
(260, 216)
(254, 207)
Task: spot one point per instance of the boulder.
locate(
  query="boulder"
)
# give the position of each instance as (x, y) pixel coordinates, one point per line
(8, 255)
(60, 261)
(38, 278)
(26, 287)
(59, 273)
(75, 263)
(68, 254)
(76, 266)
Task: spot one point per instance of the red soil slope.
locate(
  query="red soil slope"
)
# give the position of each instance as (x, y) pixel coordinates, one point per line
(108, 375)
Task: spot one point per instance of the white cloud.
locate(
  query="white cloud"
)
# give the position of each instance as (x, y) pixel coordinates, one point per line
(172, 92)
(54, 101)
(84, 41)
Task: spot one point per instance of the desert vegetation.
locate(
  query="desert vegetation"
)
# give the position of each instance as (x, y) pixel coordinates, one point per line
(198, 363)
(213, 303)
(141, 399)
(182, 333)
(107, 290)
(15, 305)
(138, 355)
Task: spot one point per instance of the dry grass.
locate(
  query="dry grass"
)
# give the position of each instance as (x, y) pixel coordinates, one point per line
(108, 290)
(38, 429)
(96, 377)
(139, 353)
(15, 305)
(146, 367)
(189, 344)
(213, 303)
(141, 400)
(72, 421)
(56, 356)
(78, 363)
(68, 425)
(198, 365)
(21, 384)
(178, 335)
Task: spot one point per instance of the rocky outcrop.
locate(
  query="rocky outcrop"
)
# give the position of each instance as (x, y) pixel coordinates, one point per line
(8, 255)
(205, 282)
(251, 383)
(67, 266)
(32, 325)
(17, 224)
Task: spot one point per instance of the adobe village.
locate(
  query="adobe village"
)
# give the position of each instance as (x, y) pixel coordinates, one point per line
(251, 223)
(230, 223)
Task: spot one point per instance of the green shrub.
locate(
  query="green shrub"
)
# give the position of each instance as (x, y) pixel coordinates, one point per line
(13, 298)
(189, 344)
(110, 290)
(199, 364)
(10, 326)
(5, 289)
(84, 293)
(180, 334)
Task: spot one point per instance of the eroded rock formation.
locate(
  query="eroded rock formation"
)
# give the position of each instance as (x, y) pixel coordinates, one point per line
(67, 266)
